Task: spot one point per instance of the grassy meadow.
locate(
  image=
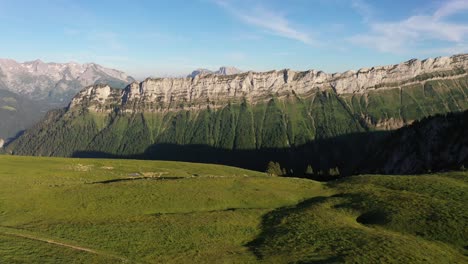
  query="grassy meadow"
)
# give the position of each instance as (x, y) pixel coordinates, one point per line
(55, 210)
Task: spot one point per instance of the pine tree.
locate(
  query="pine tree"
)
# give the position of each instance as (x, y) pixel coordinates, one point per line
(274, 169)
(335, 172)
(309, 170)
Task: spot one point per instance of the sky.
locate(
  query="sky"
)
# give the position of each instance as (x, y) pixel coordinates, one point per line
(174, 37)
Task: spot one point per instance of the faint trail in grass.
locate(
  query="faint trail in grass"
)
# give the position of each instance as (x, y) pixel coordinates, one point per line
(216, 211)
(12, 232)
(137, 178)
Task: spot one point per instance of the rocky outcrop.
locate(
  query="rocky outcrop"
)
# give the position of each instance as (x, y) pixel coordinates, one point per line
(97, 98)
(55, 82)
(211, 89)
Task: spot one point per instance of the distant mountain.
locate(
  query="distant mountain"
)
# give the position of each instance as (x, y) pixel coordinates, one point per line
(29, 89)
(248, 119)
(56, 83)
(199, 72)
(221, 71)
(228, 71)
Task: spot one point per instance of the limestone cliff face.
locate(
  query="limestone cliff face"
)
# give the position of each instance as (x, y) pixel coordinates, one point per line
(211, 89)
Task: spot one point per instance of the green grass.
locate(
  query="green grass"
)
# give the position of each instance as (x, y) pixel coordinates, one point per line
(373, 219)
(199, 213)
(206, 212)
(21, 250)
(8, 108)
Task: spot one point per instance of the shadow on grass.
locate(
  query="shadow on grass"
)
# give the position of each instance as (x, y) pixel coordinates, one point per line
(273, 224)
(346, 152)
(271, 227)
(370, 215)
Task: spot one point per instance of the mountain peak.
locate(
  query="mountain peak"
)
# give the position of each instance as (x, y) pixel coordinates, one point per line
(34, 62)
(199, 71)
(223, 70)
(226, 70)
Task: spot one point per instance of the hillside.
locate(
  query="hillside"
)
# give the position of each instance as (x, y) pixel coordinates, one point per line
(111, 211)
(17, 113)
(246, 120)
(432, 144)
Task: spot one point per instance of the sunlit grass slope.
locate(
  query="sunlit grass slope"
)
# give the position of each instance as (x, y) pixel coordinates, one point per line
(373, 219)
(109, 211)
(165, 212)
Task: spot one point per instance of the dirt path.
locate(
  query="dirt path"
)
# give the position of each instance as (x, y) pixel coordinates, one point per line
(12, 232)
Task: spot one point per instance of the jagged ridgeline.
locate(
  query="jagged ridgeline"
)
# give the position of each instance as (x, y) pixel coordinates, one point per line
(294, 118)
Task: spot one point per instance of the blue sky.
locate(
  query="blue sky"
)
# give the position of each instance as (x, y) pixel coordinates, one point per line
(160, 38)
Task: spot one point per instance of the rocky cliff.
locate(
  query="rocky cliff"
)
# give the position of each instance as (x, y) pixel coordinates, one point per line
(214, 89)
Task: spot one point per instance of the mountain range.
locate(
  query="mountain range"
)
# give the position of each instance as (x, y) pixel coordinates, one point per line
(56, 82)
(298, 119)
(45, 86)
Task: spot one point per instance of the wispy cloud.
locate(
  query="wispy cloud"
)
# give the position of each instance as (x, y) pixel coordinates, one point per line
(412, 32)
(273, 22)
(450, 8)
(363, 8)
(455, 49)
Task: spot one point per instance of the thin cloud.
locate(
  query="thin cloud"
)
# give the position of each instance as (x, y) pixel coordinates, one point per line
(268, 20)
(451, 8)
(457, 49)
(408, 34)
(363, 8)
